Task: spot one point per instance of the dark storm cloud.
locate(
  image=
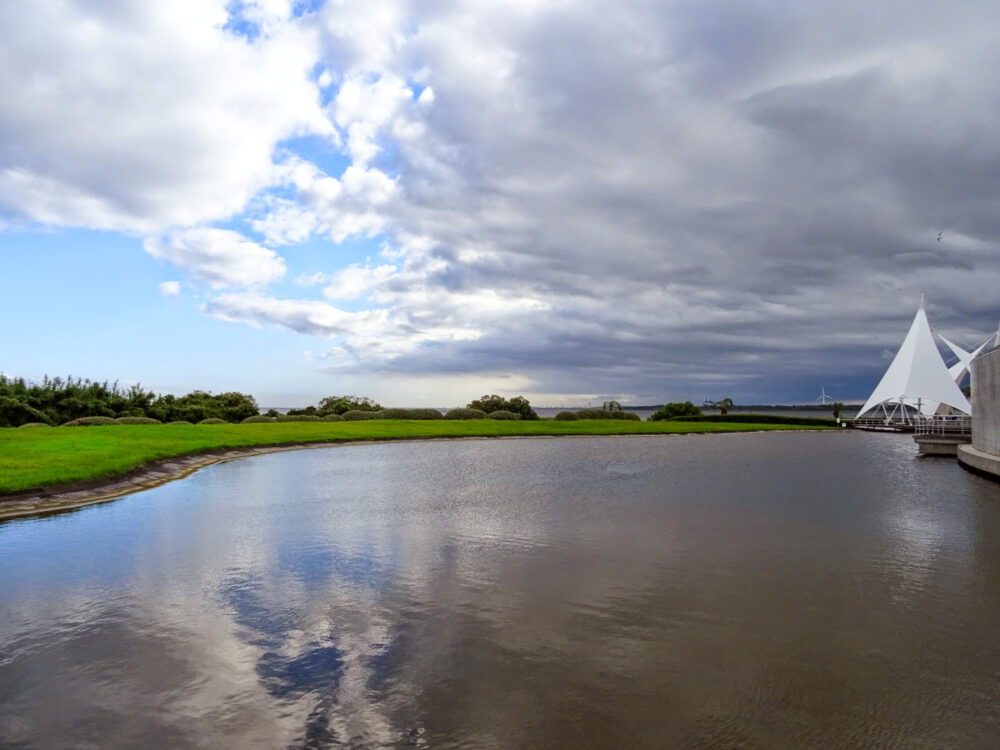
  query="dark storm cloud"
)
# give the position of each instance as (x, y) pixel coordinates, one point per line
(700, 191)
(671, 195)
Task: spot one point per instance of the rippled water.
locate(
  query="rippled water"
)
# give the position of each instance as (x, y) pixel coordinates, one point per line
(759, 590)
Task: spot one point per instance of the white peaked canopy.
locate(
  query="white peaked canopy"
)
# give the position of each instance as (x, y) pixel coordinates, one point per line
(960, 369)
(917, 376)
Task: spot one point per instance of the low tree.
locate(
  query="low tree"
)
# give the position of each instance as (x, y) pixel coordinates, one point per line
(14, 413)
(836, 406)
(198, 406)
(57, 401)
(517, 405)
(612, 406)
(344, 404)
(675, 409)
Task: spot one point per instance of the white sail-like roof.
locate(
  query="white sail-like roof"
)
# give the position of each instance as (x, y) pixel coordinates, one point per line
(918, 376)
(960, 369)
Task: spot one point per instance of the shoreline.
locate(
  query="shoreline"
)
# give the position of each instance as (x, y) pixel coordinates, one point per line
(67, 497)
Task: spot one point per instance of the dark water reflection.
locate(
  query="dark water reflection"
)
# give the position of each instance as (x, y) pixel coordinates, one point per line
(825, 590)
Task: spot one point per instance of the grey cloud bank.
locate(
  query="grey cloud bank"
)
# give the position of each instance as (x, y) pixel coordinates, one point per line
(658, 199)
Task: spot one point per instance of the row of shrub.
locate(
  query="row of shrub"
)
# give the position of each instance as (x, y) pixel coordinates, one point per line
(492, 403)
(99, 421)
(675, 409)
(759, 419)
(358, 415)
(79, 402)
(569, 416)
(57, 401)
(330, 406)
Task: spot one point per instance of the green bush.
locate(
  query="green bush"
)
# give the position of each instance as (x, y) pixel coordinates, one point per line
(333, 418)
(426, 414)
(257, 418)
(518, 405)
(35, 424)
(675, 409)
(58, 400)
(465, 413)
(198, 406)
(344, 404)
(213, 420)
(359, 416)
(760, 419)
(603, 414)
(55, 401)
(90, 422)
(410, 414)
(180, 421)
(502, 414)
(297, 418)
(14, 412)
(566, 416)
(137, 420)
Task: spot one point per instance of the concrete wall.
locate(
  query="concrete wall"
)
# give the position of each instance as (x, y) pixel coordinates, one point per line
(986, 402)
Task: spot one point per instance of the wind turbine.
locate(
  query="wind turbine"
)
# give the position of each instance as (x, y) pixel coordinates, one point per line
(823, 398)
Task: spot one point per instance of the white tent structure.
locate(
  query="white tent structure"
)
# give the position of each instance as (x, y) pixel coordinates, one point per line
(916, 379)
(960, 369)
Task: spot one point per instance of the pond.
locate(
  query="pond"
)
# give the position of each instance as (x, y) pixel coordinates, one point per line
(771, 589)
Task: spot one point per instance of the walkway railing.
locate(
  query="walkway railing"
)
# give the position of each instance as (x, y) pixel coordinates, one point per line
(956, 426)
(882, 424)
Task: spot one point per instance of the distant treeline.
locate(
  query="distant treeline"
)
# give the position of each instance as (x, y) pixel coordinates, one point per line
(56, 401)
(518, 407)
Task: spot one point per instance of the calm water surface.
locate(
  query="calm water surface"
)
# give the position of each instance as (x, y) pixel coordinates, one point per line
(768, 590)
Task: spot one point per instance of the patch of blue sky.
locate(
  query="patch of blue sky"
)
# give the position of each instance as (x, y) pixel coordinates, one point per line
(237, 223)
(328, 92)
(304, 7)
(322, 258)
(237, 24)
(319, 150)
(105, 315)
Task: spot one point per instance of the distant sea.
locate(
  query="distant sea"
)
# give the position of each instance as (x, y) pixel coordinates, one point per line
(778, 410)
(644, 412)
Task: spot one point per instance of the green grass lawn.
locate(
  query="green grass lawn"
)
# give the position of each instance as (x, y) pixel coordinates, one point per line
(39, 457)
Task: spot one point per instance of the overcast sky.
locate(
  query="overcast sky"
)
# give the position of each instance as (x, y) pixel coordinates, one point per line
(423, 202)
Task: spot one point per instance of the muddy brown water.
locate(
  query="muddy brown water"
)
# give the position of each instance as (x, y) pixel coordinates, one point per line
(755, 590)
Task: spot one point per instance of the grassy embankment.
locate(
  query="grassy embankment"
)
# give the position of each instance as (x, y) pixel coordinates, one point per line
(39, 457)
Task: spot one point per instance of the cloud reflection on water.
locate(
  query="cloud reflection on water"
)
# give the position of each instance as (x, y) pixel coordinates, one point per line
(552, 592)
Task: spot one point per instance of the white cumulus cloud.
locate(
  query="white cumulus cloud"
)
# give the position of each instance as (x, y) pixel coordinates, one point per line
(355, 280)
(218, 257)
(139, 116)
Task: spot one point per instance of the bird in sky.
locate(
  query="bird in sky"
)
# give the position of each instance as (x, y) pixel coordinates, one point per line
(939, 236)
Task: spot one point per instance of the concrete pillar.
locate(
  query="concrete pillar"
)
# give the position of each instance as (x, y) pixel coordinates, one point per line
(984, 453)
